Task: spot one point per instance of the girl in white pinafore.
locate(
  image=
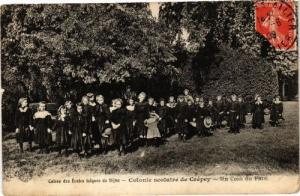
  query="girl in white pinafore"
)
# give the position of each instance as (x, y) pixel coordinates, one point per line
(153, 134)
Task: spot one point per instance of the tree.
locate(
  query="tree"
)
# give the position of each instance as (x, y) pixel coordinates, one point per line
(87, 44)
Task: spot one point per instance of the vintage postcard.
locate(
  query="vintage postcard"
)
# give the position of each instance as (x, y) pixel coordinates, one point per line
(149, 98)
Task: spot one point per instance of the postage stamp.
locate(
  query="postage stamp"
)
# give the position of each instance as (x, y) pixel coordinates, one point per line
(276, 21)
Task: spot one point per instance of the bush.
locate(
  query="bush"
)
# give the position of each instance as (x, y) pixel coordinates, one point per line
(243, 74)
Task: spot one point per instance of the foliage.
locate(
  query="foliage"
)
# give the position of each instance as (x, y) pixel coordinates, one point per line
(63, 45)
(237, 72)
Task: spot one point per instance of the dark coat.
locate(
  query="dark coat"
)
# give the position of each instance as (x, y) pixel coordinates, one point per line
(258, 114)
(101, 115)
(80, 126)
(129, 119)
(276, 112)
(62, 127)
(42, 122)
(22, 122)
(141, 114)
(118, 117)
(242, 112)
(234, 118)
(162, 125)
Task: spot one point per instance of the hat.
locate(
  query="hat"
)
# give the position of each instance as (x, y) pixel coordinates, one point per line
(107, 132)
(208, 122)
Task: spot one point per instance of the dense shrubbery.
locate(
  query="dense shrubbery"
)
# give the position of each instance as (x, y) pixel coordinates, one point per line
(236, 71)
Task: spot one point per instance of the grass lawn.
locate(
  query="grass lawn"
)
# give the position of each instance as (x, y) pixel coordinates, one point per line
(252, 152)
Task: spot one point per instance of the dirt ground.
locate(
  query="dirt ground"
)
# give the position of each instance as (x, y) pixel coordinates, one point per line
(267, 151)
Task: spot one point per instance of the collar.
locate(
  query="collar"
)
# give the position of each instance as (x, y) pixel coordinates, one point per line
(23, 109)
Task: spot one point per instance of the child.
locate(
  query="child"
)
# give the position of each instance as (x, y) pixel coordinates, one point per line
(234, 118)
(101, 117)
(151, 104)
(212, 112)
(197, 101)
(23, 122)
(153, 134)
(130, 120)
(80, 141)
(118, 125)
(87, 112)
(171, 112)
(62, 127)
(181, 119)
(258, 113)
(162, 112)
(276, 111)
(200, 113)
(42, 124)
(187, 96)
(190, 115)
(219, 107)
(243, 111)
(96, 136)
(141, 108)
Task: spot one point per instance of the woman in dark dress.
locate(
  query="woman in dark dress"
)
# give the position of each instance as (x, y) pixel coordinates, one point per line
(42, 124)
(23, 122)
(62, 126)
(258, 113)
(234, 112)
(130, 121)
(118, 125)
(276, 111)
(171, 112)
(141, 114)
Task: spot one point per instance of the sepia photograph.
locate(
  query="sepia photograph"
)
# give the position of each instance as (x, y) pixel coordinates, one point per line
(150, 98)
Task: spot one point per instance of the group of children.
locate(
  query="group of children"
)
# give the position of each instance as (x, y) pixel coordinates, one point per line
(130, 122)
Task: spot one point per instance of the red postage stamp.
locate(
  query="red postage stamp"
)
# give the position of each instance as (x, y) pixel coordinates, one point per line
(276, 21)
